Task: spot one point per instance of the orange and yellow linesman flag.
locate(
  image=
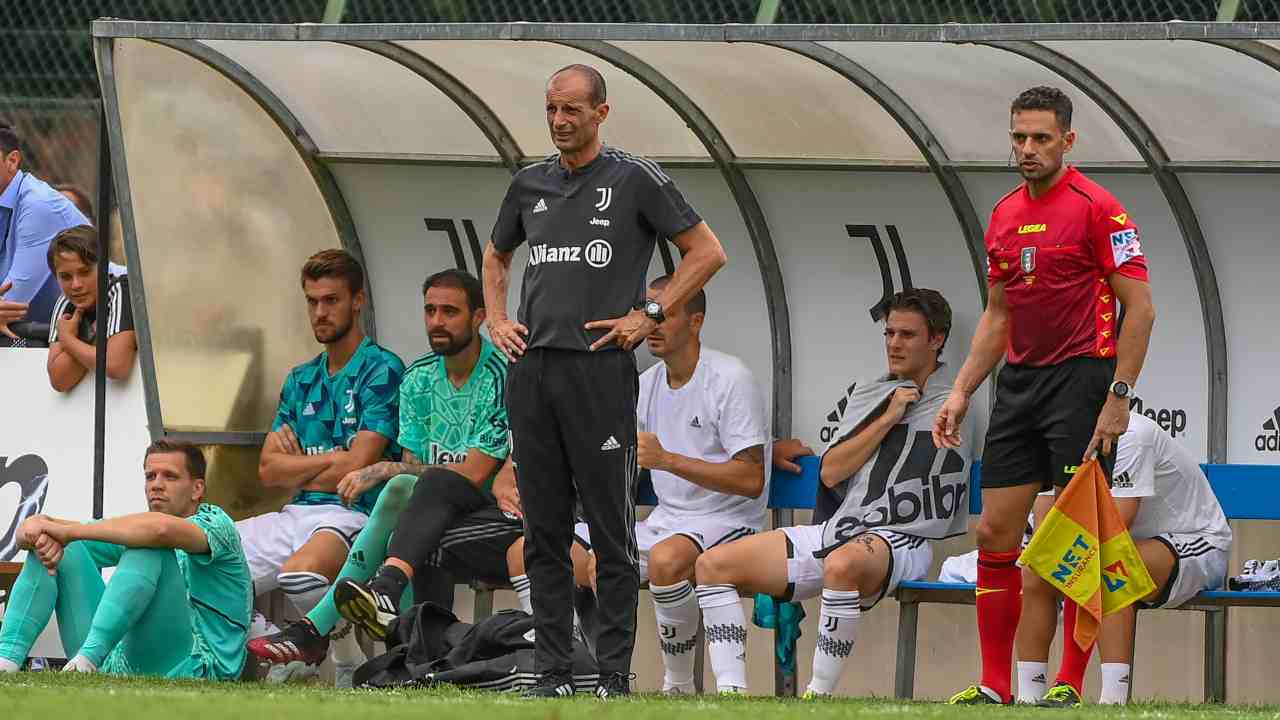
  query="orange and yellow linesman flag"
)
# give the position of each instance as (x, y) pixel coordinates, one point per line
(1084, 550)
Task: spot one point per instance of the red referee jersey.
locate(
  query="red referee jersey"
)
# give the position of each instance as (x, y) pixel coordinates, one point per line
(1053, 255)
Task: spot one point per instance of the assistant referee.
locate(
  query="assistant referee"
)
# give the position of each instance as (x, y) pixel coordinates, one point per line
(591, 215)
(1062, 256)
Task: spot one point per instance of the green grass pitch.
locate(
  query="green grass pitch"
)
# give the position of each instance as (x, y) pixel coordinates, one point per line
(55, 696)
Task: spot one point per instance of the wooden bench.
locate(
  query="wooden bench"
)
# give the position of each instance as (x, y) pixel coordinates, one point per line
(1246, 492)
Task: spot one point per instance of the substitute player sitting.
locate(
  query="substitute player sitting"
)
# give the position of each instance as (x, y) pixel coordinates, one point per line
(899, 493)
(1185, 542)
(438, 503)
(179, 602)
(338, 413)
(702, 433)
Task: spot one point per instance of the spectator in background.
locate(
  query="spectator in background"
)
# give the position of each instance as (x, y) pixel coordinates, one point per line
(80, 199)
(31, 214)
(74, 326)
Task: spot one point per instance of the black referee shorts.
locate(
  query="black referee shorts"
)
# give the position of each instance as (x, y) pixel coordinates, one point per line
(1043, 420)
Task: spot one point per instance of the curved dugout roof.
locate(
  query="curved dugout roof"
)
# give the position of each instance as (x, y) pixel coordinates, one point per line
(748, 104)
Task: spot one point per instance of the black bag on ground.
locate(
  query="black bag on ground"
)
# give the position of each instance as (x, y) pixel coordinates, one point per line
(428, 645)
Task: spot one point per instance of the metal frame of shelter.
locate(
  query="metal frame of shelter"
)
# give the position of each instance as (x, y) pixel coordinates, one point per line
(602, 41)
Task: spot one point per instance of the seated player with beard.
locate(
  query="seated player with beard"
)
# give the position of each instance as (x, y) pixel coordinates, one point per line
(899, 494)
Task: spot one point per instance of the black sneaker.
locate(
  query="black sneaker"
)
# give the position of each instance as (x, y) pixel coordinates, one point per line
(300, 642)
(365, 606)
(551, 685)
(614, 685)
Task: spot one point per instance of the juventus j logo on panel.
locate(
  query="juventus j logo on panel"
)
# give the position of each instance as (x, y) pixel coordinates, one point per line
(872, 233)
(606, 198)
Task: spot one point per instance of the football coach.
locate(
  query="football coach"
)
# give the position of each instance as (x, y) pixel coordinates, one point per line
(591, 215)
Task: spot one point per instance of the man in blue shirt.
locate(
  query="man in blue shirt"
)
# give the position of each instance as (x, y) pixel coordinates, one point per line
(31, 214)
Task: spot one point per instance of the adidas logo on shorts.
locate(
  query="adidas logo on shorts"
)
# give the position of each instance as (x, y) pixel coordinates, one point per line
(610, 444)
(541, 206)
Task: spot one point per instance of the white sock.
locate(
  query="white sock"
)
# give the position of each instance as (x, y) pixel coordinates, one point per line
(343, 646)
(7, 666)
(1115, 683)
(726, 626)
(304, 589)
(676, 608)
(1032, 683)
(524, 592)
(837, 628)
(80, 663)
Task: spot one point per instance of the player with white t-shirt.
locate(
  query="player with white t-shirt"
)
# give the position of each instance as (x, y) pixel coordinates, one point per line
(702, 435)
(1172, 514)
(899, 493)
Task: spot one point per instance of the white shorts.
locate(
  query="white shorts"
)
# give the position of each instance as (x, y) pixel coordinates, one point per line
(705, 532)
(1199, 566)
(270, 539)
(909, 560)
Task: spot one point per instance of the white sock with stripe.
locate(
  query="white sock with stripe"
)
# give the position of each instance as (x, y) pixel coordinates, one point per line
(837, 628)
(344, 648)
(676, 608)
(726, 626)
(522, 586)
(305, 590)
(1115, 683)
(1032, 681)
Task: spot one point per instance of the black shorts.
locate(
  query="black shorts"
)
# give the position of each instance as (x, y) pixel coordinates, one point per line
(1043, 420)
(475, 547)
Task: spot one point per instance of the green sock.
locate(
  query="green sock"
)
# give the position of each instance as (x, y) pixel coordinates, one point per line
(370, 547)
(74, 593)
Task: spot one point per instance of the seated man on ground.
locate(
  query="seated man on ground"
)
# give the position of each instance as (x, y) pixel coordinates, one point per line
(1185, 542)
(702, 434)
(453, 428)
(899, 493)
(337, 413)
(73, 328)
(179, 602)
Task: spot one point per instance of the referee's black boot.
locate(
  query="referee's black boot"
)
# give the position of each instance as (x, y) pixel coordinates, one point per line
(552, 685)
(614, 685)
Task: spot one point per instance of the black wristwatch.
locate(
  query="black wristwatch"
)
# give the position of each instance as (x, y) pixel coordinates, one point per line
(653, 310)
(1121, 389)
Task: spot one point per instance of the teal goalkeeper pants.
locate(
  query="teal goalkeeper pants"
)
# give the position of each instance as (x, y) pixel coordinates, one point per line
(142, 614)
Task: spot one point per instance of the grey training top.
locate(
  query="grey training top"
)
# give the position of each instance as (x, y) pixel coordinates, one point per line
(591, 234)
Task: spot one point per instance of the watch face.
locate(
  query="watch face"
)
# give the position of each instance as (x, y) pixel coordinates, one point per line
(1121, 389)
(652, 308)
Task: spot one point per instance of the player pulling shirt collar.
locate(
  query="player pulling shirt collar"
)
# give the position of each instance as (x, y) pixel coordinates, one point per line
(326, 411)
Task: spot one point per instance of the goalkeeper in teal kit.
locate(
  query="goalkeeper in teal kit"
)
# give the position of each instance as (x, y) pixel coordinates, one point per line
(178, 604)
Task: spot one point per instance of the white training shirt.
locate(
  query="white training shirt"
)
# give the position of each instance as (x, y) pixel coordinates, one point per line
(1176, 496)
(714, 416)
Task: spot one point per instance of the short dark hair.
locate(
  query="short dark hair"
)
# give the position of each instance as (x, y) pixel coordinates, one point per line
(461, 279)
(81, 240)
(79, 198)
(196, 465)
(599, 93)
(696, 304)
(9, 140)
(335, 263)
(929, 303)
(1043, 97)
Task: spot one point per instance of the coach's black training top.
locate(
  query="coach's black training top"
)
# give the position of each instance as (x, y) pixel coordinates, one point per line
(591, 235)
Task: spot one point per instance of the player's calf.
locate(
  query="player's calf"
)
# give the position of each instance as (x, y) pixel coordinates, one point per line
(861, 563)
(671, 565)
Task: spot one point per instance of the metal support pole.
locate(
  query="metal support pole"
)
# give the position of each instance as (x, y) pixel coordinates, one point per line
(1215, 655)
(334, 10)
(1228, 10)
(100, 335)
(904, 676)
(767, 14)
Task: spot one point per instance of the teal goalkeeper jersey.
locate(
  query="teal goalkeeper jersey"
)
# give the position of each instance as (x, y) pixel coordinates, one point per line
(221, 595)
(441, 423)
(326, 412)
